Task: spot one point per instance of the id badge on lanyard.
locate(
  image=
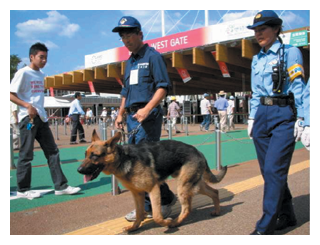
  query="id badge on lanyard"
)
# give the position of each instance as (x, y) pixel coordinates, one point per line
(134, 73)
(134, 77)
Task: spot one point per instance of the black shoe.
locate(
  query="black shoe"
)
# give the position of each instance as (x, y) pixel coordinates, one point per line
(256, 232)
(285, 221)
(83, 141)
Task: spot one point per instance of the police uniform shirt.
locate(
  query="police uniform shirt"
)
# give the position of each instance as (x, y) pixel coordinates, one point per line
(306, 104)
(145, 72)
(261, 75)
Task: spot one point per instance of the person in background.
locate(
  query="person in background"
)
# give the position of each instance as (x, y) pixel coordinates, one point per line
(173, 113)
(26, 90)
(89, 116)
(206, 111)
(230, 113)
(75, 112)
(222, 104)
(272, 120)
(146, 85)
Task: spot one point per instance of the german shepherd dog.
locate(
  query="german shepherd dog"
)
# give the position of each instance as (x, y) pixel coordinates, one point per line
(143, 167)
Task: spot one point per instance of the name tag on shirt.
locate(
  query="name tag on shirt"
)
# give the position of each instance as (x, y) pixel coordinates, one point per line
(134, 77)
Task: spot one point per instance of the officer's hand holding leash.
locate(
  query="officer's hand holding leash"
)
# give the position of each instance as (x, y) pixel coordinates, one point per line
(305, 137)
(118, 122)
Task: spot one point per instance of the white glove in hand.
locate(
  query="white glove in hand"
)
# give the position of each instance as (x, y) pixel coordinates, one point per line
(298, 129)
(250, 126)
(305, 138)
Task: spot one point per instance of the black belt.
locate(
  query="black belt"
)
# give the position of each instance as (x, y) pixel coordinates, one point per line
(280, 101)
(135, 107)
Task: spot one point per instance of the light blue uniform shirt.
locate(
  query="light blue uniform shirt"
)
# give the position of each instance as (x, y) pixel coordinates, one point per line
(306, 104)
(261, 76)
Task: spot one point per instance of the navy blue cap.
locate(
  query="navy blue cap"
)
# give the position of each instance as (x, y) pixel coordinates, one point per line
(127, 22)
(265, 17)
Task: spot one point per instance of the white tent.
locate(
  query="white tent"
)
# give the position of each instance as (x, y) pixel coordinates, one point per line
(52, 102)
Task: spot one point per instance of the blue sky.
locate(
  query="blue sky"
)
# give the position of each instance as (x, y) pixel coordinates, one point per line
(72, 34)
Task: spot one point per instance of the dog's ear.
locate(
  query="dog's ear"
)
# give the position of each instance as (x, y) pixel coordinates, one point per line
(114, 140)
(95, 136)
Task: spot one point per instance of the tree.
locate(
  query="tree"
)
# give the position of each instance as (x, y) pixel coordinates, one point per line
(14, 62)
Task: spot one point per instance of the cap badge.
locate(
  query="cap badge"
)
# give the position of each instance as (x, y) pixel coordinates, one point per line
(123, 20)
(258, 16)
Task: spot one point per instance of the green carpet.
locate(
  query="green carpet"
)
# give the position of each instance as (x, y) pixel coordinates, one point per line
(232, 152)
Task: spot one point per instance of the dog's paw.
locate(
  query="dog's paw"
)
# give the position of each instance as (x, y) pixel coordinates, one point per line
(130, 229)
(215, 213)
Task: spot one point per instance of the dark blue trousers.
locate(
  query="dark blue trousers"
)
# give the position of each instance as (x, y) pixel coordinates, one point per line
(273, 137)
(150, 131)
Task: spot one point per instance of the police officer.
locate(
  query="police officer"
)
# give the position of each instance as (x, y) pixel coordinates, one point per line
(305, 137)
(277, 83)
(146, 83)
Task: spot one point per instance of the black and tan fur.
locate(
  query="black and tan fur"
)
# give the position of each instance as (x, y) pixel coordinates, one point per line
(142, 168)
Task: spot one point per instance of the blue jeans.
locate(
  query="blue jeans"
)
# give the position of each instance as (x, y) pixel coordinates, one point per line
(206, 121)
(150, 131)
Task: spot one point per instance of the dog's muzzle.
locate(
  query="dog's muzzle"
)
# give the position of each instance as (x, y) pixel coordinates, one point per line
(91, 172)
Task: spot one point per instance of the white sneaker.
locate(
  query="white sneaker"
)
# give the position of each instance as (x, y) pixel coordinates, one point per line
(68, 191)
(28, 194)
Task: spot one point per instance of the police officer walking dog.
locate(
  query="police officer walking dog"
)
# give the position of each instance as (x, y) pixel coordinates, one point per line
(146, 85)
(277, 82)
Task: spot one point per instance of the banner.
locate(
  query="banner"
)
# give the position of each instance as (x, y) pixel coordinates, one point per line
(90, 83)
(119, 81)
(51, 92)
(184, 74)
(223, 66)
(198, 37)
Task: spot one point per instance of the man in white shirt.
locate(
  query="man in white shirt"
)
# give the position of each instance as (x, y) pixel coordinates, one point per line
(205, 106)
(27, 91)
(75, 112)
(230, 111)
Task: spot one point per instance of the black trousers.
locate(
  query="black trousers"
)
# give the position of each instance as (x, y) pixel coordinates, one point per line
(76, 126)
(42, 133)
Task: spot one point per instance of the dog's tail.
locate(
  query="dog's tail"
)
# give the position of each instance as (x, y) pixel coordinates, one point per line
(212, 178)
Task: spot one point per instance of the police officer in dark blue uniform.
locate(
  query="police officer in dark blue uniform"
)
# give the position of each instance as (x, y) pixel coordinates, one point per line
(146, 83)
(276, 117)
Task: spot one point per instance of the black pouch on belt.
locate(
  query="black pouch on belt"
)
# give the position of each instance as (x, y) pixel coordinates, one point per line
(292, 104)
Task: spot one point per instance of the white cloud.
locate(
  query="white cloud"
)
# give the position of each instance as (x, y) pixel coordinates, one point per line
(290, 18)
(54, 24)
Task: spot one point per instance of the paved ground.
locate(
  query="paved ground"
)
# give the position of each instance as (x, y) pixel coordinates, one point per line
(241, 200)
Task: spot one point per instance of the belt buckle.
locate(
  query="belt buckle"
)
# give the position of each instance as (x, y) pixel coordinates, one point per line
(268, 101)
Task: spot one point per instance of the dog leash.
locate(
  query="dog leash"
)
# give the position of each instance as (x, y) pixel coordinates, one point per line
(132, 132)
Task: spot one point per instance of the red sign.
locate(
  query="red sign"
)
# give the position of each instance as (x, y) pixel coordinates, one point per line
(119, 81)
(51, 92)
(91, 87)
(184, 74)
(223, 66)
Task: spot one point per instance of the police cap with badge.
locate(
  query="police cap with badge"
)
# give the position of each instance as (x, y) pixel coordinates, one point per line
(265, 17)
(127, 22)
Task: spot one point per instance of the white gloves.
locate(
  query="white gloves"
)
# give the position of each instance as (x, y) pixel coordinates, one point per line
(298, 129)
(250, 126)
(305, 137)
